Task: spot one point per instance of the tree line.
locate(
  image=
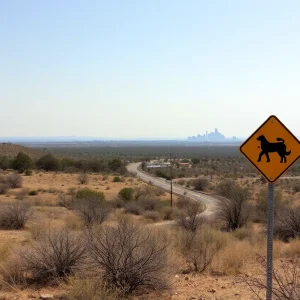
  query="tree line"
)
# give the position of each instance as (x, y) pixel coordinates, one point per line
(23, 163)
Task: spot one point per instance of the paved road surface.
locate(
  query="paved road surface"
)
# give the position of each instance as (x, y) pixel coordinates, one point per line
(209, 201)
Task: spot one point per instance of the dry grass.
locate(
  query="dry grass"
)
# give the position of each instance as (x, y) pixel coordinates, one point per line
(293, 249)
(73, 222)
(231, 260)
(90, 289)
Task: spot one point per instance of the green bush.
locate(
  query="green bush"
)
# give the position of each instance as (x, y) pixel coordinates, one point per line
(126, 194)
(48, 163)
(118, 179)
(22, 162)
(87, 193)
(4, 163)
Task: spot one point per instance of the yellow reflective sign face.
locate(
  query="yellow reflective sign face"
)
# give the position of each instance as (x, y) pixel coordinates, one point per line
(272, 149)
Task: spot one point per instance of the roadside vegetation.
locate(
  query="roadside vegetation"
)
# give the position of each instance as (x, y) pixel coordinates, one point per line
(95, 232)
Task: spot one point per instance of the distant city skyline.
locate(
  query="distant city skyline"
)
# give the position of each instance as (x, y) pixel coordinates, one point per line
(211, 136)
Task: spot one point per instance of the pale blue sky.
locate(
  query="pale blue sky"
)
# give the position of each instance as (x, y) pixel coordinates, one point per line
(147, 68)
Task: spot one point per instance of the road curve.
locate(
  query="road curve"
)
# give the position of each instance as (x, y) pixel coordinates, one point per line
(209, 201)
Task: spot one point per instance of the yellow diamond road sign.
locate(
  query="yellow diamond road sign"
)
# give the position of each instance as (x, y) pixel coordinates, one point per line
(272, 149)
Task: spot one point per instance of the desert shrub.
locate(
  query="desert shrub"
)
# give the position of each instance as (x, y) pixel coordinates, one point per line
(243, 233)
(22, 194)
(118, 179)
(189, 218)
(3, 188)
(33, 193)
(4, 162)
(14, 180)
(83, 178)
(37, 231)
(285, 283)
(296, 188)
(117, 203)
(200, 247)
(233, 208)
(133, 208)
(200, 184)
(150, 203)
(181, 181)
(232, 258)
(162, 174)
(152, 215)
(15, 215)
(22, 162)
(182, 202)
(126, 194)
(115, 164)
(48, 163)
(12, 274)
(87, 194)
(129, 255)
(168, 213)
(59, 254)
(287, 224)
(65, 200)
(147, 191)
(91, 210)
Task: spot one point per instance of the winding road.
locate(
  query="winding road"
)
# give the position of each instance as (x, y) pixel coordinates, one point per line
(208, 200)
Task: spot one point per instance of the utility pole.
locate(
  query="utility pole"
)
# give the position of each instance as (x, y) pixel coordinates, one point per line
(171, 181)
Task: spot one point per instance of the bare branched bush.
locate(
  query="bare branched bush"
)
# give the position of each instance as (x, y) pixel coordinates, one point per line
(133, 208)
(59, 254)
(92, 211)
(14, 180)
(152, 215)
(15, 215)
(286, 284)
(233, 208)
(287, 224)
(83, 178)
(200, 184)
(200, 247)
(189, 218)
(130, 256)
(65, 200)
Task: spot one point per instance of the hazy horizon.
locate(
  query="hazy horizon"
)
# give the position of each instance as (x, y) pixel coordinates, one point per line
(133, 70)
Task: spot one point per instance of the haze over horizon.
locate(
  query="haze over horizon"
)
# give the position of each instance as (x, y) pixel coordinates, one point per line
(147, 69)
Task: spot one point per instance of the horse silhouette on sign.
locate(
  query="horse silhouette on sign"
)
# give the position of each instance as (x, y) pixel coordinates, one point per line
(267, 147)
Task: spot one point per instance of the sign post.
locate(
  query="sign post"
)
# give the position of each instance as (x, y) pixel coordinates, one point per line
(270, 239)
(272, 149)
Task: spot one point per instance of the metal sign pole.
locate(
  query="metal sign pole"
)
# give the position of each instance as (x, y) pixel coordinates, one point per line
(270, 240)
